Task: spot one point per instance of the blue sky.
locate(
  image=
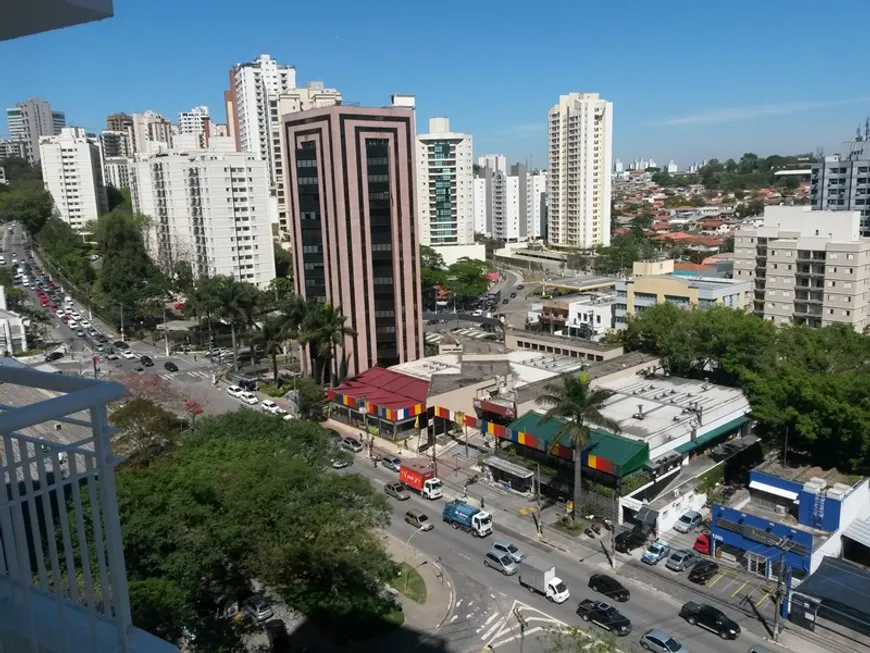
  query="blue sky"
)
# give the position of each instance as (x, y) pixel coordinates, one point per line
(688, 79)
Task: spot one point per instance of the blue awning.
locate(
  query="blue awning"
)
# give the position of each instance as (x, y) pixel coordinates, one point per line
(702, 440)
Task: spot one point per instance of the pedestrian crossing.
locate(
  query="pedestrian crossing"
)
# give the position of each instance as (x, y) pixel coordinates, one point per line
(476, 334)
(191, 374)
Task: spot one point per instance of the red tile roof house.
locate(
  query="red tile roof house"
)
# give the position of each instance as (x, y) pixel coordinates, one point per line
(382, 402)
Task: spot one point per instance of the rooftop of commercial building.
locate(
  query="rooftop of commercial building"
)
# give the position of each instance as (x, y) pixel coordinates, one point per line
(561, 340)
(705, 283)
(658, 409)
(579, 284)
(799, 472)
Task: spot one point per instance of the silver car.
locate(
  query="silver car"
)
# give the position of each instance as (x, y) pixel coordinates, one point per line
(681, 560)
(391, 462)
(660, 642)
(508, 549)
(504, 564)
(688, 521)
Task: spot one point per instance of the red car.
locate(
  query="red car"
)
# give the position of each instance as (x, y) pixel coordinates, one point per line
(702, 544)
(65, 318)
(179, 306)
(51, 285)
(44, 302)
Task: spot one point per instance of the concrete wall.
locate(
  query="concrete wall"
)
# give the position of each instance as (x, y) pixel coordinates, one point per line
(452, 253)
(669, 514)
(461, 399)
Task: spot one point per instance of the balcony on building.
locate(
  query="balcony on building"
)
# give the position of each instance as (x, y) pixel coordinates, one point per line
(60, 477)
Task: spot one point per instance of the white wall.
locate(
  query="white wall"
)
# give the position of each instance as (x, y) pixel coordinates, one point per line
(480, 207)
(452, 253)
(669, 514)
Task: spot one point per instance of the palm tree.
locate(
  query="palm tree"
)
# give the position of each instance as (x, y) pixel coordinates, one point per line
(294, 309)
(271, 336)
(323, 327)
(200, 302)
(234, 303)
(579, 406)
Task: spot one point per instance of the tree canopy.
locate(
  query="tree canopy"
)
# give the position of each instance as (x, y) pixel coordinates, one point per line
(250, 497)
(813, 383)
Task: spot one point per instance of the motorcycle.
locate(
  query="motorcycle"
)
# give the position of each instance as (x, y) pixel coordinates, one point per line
(607, 524)
(596, 528)
(590, 532)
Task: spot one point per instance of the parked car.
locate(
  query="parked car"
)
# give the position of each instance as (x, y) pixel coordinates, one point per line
(703, 571)
(53, 356)
(249, 398)
(628, 541)
(146, 361)
(503, 563)
(234, 391)
(340, 463)
(681, 560)
(713, 619)
(397, 491)
(351, 444)
(391, 462)
(659, 641)
(417, 519)
(609, 586)
(271, 407)
(702, 544)
(169, 366)
(688, 521)
(259, 608)
(656, 552)
(508, 549)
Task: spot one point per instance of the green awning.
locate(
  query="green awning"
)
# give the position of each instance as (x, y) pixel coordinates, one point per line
(702, 440)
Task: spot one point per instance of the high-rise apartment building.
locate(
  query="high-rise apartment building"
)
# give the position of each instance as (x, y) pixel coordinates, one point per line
(72, 171)
(248, 108)
(350, 179)
(116, 144)
(209, 209)
(509, 204)
(580, 135)
(195, 122)
(842, 183)
(30, 120)
(19, 149)
(116, 172)
(445, 186)
(150, 133)
(119, 122)
(808, 267)
(313, 96)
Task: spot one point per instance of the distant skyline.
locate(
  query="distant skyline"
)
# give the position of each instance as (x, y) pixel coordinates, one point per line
(687, 82)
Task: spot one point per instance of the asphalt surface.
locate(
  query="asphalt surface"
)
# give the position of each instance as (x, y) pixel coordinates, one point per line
(485, 599)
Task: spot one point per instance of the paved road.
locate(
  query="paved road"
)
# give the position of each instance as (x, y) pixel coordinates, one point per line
(485, 599)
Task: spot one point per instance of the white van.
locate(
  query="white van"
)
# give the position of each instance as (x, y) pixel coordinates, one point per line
(67, 301)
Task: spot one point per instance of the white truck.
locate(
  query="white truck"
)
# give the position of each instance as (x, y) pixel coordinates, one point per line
(538, 575)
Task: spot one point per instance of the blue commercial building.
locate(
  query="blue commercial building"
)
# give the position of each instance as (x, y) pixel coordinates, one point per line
(789, 515)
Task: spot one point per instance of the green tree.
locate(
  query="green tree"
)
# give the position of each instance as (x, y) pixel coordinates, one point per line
(576, 406)
(466, 279)
(271, 337)
(323, 328)
(29, 203)
(125, 269)
(283, 261)
(234, 302)
(146, 430)
(575, 640)
(312, 397)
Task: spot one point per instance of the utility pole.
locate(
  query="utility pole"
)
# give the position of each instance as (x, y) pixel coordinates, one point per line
(784, 544)
(122, 321)
(521, 620)
(538, 484)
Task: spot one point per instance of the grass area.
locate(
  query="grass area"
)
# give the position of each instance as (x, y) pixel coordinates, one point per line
(569, 526)
(410, 583)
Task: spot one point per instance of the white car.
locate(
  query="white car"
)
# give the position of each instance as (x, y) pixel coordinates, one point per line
(271, 407)
(249, 398)
(72, 324)
(60, 312)
(288, 417)
(129, 355)
(112, 356)
(234, 391)
(85, 324)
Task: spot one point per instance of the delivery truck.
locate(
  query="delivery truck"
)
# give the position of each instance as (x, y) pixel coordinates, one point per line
(538, 575)
(472, 520)
(420, 477)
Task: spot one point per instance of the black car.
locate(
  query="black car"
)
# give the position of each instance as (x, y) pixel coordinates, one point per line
(53, 356)
(703, 571)
(169, 366)
(628, 541)
(146, 361)
(713, 619)
(610, 587)
(120, 344)
(604, 615)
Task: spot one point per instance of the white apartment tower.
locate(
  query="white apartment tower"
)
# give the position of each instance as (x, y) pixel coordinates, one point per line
(445, 186)
(509, 205)
(72, 171)
(115, 144)
(496, 162)
(151, 133)
(580, 135)
(116, 172)
(536, 203)
(248, 109)
(195, 122)
(208, 208)
(31, 120)
(313, 96)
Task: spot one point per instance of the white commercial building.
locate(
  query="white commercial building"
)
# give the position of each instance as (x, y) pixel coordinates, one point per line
(72, 171)
(672, 168)
(195, 122)
(445, 186)
(209, 209)
(251, 85)
(116, 172)
(313, 96)
(580, 133)
(151, 133)
(30, 120)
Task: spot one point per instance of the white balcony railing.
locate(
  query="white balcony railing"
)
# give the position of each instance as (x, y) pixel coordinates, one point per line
(63, 582)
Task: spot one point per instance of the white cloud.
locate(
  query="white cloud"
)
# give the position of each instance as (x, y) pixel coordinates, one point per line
(742, 114)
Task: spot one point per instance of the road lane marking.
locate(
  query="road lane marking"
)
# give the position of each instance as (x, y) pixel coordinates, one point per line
(491, 617)
(493, 629)
(716, 580)
(739, 589)
(763, 599)
(463, 555)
